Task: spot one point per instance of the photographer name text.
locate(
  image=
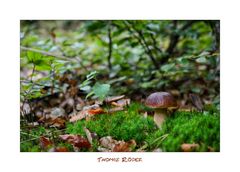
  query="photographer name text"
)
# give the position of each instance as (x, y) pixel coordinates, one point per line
(119, 159)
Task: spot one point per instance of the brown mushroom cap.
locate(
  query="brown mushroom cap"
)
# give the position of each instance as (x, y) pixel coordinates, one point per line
(160, 100)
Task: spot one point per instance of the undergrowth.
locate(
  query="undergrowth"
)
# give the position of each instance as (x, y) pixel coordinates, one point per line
(181, 127)
(187, 127)
(122, 125)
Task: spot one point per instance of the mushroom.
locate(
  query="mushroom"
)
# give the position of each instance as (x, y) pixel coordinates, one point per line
(161, 102)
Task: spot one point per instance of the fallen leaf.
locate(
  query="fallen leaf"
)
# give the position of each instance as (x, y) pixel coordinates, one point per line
(59, 123)
(61, 149)
(58, 149)
(211, 149)
(73, 90)
(112, 110)
(186, 147)
(196, 101)
(121, 103)
(86, 113)
(101, 149)
(114, 98)
(112, 145)
(45, 142)
(124, 146)
(72, 82)
(95, 111)
(76, 140)
(80, 115)
(68, 105)
(108, 142)
(42, 119)
(94, 106)
(88, 134)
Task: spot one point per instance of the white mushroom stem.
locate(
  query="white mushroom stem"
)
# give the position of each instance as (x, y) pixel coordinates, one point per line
(159, 116)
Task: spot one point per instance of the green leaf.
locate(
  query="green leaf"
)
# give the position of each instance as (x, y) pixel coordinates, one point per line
(202, 60)
(196, 90)
(101, 90)
(89, 94)
(43, 67)
(91, 75)
(85, 88)
(167, 67)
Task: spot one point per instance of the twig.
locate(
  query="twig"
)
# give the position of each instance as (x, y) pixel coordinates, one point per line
(109, 46)
(37, 137)
(174, 38)
(155, 43)
(29, 134)
(33, 71)
(53, 77)
(28, 140)
(143, 43)
(149, 51)
(49, 54)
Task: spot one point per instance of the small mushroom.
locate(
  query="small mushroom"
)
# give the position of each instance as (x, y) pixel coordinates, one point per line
(160, 101)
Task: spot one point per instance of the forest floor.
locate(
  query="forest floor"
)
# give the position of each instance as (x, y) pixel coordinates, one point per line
(123, 129)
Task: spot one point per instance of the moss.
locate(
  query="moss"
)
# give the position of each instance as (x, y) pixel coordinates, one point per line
(182, 127)
(188, 127)
(123, 125)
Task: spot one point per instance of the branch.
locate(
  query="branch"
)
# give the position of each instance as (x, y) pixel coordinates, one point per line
(155, 43)
(215, 26)
(142, 41)
(109, 46)
(48, 54)
(174, 38)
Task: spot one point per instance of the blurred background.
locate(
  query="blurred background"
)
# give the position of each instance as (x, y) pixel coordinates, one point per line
(135, 58)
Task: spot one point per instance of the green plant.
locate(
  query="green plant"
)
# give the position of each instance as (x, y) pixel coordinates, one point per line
(98, 90)
(188, 127)
(125, 125)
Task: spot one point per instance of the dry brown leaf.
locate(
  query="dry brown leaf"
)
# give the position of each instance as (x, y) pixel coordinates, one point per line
(108, 142)
(196, 101)
(94, 106)
(111, 145)
(101, 149)
(114, 98)
(121, 103)
(76, 140)
(59, 123)
(124, 146)
(211, 149)
(61, 149)
(42, 119)
(186, 147)
(112, 110)
(88, 134)
(95, 111)
(58, 149)
(45, 142)
(85, 114)
(80, 115)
